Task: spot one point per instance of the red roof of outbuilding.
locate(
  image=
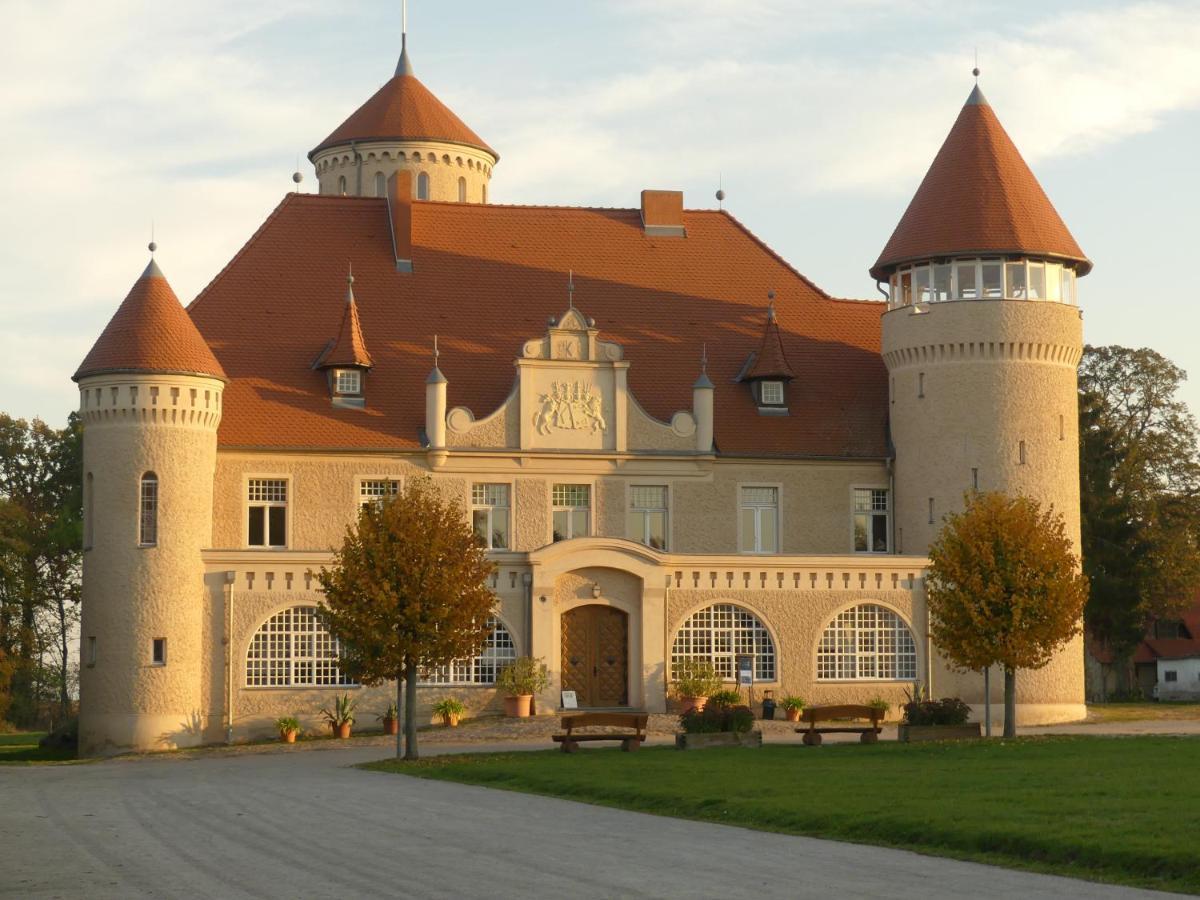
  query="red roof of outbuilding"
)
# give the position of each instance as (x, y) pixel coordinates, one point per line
(404, 110)
(150, 332)
(979, 197)
(485, 279)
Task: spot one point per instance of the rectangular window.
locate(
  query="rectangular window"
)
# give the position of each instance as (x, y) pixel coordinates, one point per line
(993, 280)
(490, 508)
(348, 381)
(647, 516)
(921, 284)
(870, 520)
(91, 651)
(941, 282)
(1037, 281)
(376, 491)
(267, 513)
(572, 511)
(1068, 285)
(1053, 281)
(906, 286)
(759, 520)
(1170, 675)
(159, 652)
(772, 393)
(968, 287)
(1015, 280)
(148, 512)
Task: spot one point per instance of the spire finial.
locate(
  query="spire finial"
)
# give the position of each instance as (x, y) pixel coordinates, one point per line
(152, 246)
(571, 288)
(350, 283)
(771, 305)
(720, 191)
(436, 352)
(704, 358)
(296, 176)
(404, 66)
(975, 71)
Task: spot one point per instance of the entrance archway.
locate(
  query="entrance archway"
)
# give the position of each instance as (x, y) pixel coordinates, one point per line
(595, 655)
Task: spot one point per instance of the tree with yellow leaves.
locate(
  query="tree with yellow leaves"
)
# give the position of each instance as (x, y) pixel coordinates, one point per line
(1004, 588)
(408, 592)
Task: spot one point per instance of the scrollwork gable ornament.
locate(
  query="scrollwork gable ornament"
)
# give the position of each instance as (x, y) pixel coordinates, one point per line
(570, 406)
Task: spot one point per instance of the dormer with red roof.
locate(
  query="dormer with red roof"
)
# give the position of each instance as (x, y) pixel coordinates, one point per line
(404, 126)
(768, 372)
(345, 360)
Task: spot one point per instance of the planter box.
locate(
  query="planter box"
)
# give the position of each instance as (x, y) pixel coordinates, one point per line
(912, 734)
(718, 739)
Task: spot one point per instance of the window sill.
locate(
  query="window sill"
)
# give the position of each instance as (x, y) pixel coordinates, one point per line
(864, 680)
(300, 687)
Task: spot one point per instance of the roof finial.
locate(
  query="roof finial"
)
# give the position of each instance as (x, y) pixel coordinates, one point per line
(975, 71)
(404, 67)
(720, 191)
(152, 246)
(436, 352)
(571, 288)
(771, 305)
(350, 284)
(704, 358)
(296, 176)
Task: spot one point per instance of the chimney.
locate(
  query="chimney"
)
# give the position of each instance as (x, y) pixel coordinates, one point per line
(662, 213)
(399, 196)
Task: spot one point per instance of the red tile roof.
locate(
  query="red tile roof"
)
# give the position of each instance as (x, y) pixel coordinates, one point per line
(771, 361)
(349, 349)
(150, 332)
(404, 110)
(485, 278)
(978, 197)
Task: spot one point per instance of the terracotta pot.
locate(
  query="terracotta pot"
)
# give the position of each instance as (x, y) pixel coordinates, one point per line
(390, 726)
(341, 731)
(793, 715)
(518, 707)
(289, 736)
(687, 704)
(450, 720)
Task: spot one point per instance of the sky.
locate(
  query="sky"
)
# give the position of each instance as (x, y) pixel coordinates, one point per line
(819, 119)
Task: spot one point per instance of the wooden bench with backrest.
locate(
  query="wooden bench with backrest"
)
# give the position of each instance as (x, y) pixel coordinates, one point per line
(631, 738)
(869, 734)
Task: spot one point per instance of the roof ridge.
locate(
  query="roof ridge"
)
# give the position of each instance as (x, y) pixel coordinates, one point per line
(771, 251)
(274, 214)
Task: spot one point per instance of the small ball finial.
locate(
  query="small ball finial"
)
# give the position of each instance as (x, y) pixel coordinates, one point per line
(152, 246)
(771, 294)
(975, 71)
(720, 193)
(297, 177)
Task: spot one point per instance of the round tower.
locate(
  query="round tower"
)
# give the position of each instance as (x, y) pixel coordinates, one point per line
(150, 399)
(404, 126)
(981, 341)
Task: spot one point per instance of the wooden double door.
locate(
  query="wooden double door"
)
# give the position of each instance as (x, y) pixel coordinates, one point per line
(595, 655)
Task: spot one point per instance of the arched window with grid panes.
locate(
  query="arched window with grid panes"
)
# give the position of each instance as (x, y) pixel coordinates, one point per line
(867, 642)
(498, 651)
(293, 648)
(720, 634)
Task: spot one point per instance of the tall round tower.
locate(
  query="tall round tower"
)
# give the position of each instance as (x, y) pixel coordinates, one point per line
(404, 126)
(981, 340)
(150, 399)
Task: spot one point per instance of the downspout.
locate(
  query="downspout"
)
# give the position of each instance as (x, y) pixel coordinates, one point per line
(228, 591)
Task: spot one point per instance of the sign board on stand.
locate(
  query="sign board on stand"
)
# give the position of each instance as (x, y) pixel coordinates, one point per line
(569, 700)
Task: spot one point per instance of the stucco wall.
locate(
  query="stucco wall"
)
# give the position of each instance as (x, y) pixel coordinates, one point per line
(445, 163)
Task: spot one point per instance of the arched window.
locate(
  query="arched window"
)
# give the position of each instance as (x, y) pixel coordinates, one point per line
(341, 184)
(294, 649)
(380, 185)
(720, 634)
(462, 189)
(485, 193)
(867, 643)
(498, 652)
(148, 511)
(423, 186)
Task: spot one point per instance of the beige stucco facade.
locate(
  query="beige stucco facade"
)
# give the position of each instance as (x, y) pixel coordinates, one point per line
(443, 163)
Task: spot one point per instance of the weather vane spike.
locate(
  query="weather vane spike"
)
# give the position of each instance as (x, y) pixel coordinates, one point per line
(571, 288)
(436, 351)
(350, 271)
(975, 71)
(720, 190)
(152, 246)
(704, 358)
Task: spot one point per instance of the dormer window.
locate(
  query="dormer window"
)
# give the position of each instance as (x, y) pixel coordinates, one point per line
(347, 382)
(770, 393)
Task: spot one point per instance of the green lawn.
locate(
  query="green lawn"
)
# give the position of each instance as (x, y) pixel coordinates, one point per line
(1114, 809)
(21, 748)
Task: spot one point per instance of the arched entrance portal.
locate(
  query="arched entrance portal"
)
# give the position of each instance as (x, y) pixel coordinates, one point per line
(595, 655)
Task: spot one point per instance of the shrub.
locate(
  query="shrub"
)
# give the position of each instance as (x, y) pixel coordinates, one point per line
(449, 706)
(724, 699)
(714, 719)
(880, 704)
(793, 702)
(948, 711)
(524, 675)
(284, 724)
(342, 712)
(695, 678)
(392, 712)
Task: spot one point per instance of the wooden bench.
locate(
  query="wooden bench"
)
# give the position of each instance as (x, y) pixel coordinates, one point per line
(630, 739)
(869, 734)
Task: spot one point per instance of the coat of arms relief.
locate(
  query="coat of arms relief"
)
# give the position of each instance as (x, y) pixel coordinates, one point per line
(569, 407)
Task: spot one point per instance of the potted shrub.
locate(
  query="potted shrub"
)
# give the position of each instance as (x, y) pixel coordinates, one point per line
(289, 727)
(792, 707)
(880, 704)
(450, 709)
(717, 726)
(341, 717)
(694, 680)
(937, 720)
(520, 680)
(391, 719)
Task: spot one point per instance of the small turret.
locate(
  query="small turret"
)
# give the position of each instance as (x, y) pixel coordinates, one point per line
(702, 407)
(435, 411)
(346, 361)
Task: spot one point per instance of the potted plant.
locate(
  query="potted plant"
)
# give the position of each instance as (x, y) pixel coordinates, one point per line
(937, 720)
(391, 719)
(289, 727)
(718, 726)
(341, 717)
(694, 680)
(450, 709)
(880, 704)
(520, 680)
(792, 707)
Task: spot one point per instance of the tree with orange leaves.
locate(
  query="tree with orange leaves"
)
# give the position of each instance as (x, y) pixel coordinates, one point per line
(1004, 588)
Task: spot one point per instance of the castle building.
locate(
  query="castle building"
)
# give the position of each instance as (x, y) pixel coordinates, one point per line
(673, 444)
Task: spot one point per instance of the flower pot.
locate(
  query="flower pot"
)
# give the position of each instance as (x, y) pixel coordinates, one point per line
(518, 707)
(390, 726)
(912, 734)
(341, 731)
(793, 715)
(289, 736)
(450, 720)
(687, 704)
(718, 739)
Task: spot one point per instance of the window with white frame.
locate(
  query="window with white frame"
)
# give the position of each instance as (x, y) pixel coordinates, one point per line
(293, 648)
(867, 643)
(380, 185)
(759, 517)
(498, 651)
(347, 381)
(267, 500)
(572, 516)
(647, 516)
(423, 186)
(341, 188)
(462, 189)
(719, 634)
(148, 511)
(376, 490)
(490, 508)
(771, 393)
(871, 520)
(983, 279)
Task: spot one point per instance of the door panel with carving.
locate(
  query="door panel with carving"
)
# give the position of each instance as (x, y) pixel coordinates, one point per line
(595, 655)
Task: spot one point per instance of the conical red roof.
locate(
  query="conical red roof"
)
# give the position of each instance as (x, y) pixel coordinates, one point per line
(771, 361)
(403, 110)
(979, 197)
(349, 349)
(150, 332)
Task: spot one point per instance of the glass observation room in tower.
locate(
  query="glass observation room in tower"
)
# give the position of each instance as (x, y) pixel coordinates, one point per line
(981, 279)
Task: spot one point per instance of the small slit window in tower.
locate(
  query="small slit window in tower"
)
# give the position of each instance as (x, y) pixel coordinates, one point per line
(462, 189)
(88, 514)
(1021, 452)
(423, 186)
(974, 479)
(341, 184)
(1061, 428)
(380, 184)
(920, 384)
(485, 193)
(159, 652)
(930, 510)
(148, 511)
(91, 651)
